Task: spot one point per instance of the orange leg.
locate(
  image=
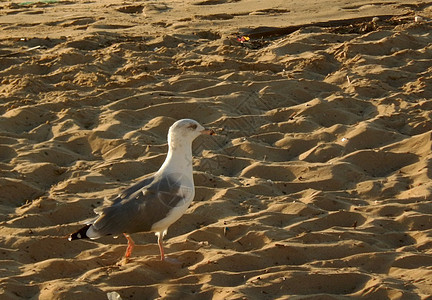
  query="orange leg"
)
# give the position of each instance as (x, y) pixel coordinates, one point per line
(160, 237)
(131, 245)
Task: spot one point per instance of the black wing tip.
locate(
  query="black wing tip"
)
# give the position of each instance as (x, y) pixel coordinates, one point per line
(80, 234)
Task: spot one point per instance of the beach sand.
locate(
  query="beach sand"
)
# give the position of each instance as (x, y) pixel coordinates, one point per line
(316, 186)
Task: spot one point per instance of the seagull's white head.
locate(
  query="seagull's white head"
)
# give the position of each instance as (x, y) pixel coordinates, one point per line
(185, 131)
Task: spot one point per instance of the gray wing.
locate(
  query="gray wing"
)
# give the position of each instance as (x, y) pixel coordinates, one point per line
(141, 207)
(124, 195)
(133, 189)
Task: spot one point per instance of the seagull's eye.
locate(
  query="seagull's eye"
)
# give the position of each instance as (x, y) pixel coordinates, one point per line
(193, 126)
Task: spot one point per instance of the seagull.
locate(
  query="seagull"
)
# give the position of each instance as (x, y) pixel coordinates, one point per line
(152, 204)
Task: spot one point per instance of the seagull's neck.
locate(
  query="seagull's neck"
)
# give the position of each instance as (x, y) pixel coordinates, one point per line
(179, 158)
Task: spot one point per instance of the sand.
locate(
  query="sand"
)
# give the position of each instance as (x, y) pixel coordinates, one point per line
(317, 185)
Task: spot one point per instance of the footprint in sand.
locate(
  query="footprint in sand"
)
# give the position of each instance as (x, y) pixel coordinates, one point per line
(215, 2)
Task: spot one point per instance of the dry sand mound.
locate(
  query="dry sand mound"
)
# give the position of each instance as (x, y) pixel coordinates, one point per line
(317, 185)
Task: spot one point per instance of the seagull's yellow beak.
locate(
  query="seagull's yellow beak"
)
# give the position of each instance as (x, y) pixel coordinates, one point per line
(208, 132)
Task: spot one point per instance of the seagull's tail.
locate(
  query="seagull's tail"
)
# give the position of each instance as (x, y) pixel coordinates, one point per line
(80, 234)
